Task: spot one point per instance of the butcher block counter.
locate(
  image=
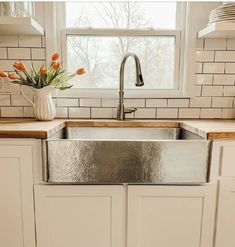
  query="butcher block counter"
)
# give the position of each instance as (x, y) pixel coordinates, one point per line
(30, 128)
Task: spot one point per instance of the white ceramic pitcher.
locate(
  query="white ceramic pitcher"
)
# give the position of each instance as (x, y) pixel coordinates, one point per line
(44, 107)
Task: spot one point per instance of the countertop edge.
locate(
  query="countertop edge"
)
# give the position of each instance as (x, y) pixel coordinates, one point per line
(29, 128)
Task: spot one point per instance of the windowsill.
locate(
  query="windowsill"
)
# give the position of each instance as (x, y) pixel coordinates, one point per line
(113, 93)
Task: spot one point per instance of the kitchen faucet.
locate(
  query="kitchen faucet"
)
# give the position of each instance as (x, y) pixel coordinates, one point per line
(121, 111)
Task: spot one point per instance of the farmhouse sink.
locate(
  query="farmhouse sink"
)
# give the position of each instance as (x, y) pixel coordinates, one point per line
(114, 155)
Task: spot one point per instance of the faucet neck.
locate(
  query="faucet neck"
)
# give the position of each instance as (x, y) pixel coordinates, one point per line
(122, 69)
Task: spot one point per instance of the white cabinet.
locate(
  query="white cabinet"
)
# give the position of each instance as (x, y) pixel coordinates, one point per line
(88, 216)
(80, 216)
(167, 216)
(225, 230)
(16, 193)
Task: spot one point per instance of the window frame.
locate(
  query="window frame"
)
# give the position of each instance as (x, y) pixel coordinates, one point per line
(184, 47)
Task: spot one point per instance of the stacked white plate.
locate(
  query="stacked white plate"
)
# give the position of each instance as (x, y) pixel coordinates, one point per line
(224, 13)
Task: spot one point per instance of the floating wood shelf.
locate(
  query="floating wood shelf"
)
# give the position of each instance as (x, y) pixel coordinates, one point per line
(218, 30)
(19, 26)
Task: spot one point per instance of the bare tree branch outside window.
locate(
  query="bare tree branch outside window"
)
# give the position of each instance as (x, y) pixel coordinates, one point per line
(101, 56)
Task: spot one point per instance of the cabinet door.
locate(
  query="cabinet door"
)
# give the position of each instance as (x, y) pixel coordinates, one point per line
(167, 216)
(79, 216)
(16, 194)
(225, 230)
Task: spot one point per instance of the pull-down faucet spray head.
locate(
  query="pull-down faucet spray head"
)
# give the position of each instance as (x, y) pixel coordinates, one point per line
(139, 77)
(139, 80)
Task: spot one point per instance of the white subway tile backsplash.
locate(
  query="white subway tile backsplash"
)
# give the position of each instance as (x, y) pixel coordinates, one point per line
(224, 79)
(222, 102)
(12, 112)
(199, 44)
(225, 56)
(30, 41)
(101, 112)
(230, 68)
(145, 113)
(19, 100)
(210, 113)
(212, 68)
(134, 102)
(178, 102)
(229, 90)
(197, 91)
(13, 88)
(67, 102)
(200, 102)
(199, 68)
(90, 102)
(109, 102)
(5, 100)
(205, 56)
(38, 53)
(156, 102)
(19, 53)
(231, 44)
(8, 41)
(62, 112)
(79, 112)
(28, 112)
(204, 79)
(189, 112)
(215, 44)
(3, 53)
(228, 113)
(212, 90)
(7, 65)
(43, 41)
(167, 113)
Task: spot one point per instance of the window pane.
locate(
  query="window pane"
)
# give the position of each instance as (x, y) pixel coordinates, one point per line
(101, 56)
(157, 15)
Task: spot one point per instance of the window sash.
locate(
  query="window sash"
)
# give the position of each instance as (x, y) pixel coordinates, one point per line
(125, 33)
(181, 83)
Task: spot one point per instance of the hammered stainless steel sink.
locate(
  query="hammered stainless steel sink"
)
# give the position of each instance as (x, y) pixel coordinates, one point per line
(114, 155)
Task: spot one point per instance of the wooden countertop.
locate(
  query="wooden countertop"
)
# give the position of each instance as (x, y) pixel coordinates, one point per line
(30, 128)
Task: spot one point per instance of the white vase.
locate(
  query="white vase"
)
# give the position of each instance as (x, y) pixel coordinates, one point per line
(44, 107)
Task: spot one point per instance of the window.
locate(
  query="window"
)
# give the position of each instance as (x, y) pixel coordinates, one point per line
(98, 34)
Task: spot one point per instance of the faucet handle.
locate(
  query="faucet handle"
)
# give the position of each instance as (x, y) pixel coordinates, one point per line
(130, 110)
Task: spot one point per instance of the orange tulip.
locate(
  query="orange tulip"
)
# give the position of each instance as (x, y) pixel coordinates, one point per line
(43, 70)
(3, 74)
(55, 65)
(55, 56)
(20, 66)
(80, 71)
(12, 76)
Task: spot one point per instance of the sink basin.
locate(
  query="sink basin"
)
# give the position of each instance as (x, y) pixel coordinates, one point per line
(117, 155)
(127, 133)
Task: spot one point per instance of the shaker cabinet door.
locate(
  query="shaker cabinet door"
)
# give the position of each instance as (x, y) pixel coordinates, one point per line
(79, 216)
(167, 216)
(225, 229)
(16, 195)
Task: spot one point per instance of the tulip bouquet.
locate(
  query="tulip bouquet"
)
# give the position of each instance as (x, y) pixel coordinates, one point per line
(45, 76)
